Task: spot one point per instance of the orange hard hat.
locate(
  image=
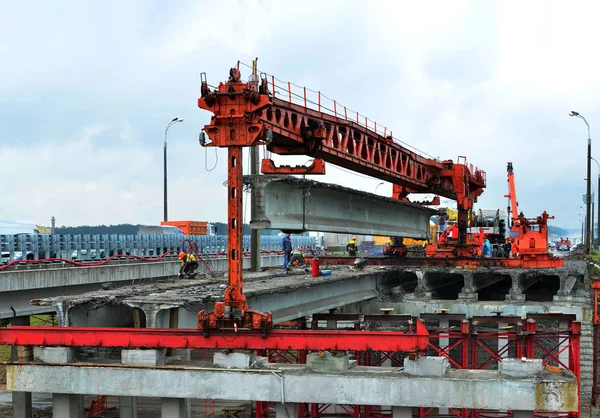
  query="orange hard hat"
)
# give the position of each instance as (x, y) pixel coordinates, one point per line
(181, 255)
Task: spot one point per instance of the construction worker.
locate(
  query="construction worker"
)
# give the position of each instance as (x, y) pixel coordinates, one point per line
(507, 248)
(296, 259)
(188, 265)
(486, 249)
(286, 247)
(515, 248)
(352, 247)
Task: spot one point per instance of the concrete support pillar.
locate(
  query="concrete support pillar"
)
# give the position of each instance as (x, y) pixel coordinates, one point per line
(21, 404)
(566, 286)
(467, 293)
(421, 291)
(564, 356)
(444, 342)
(127, 407)
(515, 293)
(401, 412)
(151, 312)
(174, 408)
(331, 324)
(288, 410)
(173, 324)
(67, 406)
(522, 414)
(502, 342)
(21, 401)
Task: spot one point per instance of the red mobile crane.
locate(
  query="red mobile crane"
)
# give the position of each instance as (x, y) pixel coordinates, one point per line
(248, 114)
(532, 238)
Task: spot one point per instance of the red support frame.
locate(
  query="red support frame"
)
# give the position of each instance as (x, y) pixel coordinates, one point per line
(243, 339)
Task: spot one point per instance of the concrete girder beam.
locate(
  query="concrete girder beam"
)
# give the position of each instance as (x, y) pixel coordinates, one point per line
(289, 203)
(475, 389)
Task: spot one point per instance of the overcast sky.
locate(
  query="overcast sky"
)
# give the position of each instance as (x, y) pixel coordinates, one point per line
(88, 88)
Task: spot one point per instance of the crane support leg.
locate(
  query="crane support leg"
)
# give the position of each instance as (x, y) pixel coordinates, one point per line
(234, 295)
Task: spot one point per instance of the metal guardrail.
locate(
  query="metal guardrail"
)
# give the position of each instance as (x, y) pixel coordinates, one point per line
(98, 247)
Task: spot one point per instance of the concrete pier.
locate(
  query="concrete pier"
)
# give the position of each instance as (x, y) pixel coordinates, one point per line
(474, 389)
(67, 406)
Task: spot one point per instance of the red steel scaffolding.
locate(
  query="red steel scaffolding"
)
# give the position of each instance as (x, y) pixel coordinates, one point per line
(476, 343)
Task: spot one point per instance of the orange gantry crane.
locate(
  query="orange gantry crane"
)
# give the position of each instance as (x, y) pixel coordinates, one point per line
(247, 114)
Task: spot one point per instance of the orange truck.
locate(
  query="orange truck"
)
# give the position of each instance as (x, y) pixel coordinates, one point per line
(192, 227)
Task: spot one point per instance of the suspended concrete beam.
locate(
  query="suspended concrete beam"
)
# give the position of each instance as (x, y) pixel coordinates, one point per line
(293, 204)
(476, 389)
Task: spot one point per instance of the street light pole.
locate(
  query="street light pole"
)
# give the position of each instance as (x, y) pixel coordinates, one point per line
(588, 197)
(174, 121)
(598, 207)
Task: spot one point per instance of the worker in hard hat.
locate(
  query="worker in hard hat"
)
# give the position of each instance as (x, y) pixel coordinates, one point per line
(352, 246)
(486, 249)
(286, 247)
(188, 265)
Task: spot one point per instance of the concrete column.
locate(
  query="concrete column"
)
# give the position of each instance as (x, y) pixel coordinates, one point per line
(127, 407)
(444, 342)
(151, 312)
(67, 406)
(21, 404)
(331, 324)
(288, 410)
(522, 414)
(515, 293)
(502, 343)
(401, 412)
(467, 293)
(174, 408)
(21, 401)
(564, 356)
(421, 291)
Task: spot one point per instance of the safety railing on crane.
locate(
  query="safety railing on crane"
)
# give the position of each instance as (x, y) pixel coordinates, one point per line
(316, 100)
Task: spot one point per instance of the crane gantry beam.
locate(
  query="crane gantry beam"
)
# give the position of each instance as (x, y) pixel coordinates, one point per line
(248, 114)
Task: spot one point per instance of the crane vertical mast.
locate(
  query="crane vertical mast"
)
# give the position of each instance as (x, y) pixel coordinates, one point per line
(512, 196)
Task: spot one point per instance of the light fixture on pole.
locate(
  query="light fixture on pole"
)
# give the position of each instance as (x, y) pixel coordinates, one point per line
(377, 187)
(173, 121)
(588, 199)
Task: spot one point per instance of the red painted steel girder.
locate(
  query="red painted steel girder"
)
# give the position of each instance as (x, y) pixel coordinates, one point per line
(221, 339)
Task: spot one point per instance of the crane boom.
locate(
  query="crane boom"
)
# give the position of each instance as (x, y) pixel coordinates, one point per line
(512, 196)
